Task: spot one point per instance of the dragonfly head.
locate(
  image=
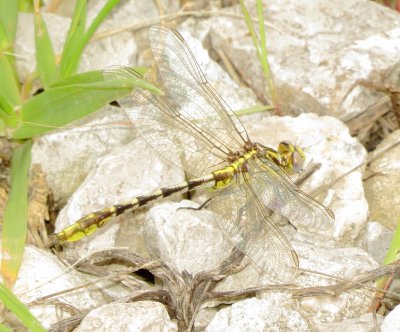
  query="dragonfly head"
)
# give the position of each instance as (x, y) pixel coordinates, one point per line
(289, 157)
(292, 157)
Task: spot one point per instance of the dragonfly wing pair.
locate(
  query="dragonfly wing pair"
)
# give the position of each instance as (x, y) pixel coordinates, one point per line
(246, 223)
(191, 117)
(279, 194)
(192, 122)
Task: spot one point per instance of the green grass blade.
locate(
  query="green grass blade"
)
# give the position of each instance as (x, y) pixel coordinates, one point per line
(254, 109)
(15, 219)
(88, 77)
(65, 103)
(7, 113)
(261, 47)
(45, 56)
(264, 54)
(261, 27)
(94, 76)
(6, 51)
(250, 27)
(108, 7)
(9, 87)
(25, 6)
(393, 253)
(4, 42)
(78, 22)
(72, 58)
(75, 34)
(18, 308)
(4, 328)
(8, 17)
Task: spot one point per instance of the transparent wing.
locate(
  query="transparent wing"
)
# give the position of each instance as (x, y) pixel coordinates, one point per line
(165, 128)
(280, 194)
(190, 93)
(191, 123)
(245, 222)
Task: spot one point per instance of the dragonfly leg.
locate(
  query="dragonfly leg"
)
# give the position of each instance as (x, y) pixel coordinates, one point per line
(289, 222)
(281, 221)
(196, 208)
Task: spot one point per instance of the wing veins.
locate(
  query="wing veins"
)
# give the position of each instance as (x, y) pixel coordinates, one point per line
(185, 56)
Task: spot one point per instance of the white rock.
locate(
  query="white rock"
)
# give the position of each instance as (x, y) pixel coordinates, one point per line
(325, 141)
(391, 323)
(383, 200)
(277, 313)
(375, 240)
(57, 27)
(121, 33)
(130, 12)
(316, 52)
(129, 171)
(119, 49)
(331, 261)
(69, 154)
(237, 97)
(204, 317)
(138, 316)
(42, 274)
(185, 239)
(343, 263)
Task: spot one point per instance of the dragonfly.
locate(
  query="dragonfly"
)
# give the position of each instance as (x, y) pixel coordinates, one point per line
(192, 127)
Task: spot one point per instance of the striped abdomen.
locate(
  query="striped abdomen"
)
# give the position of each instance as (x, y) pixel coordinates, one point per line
(93, 221)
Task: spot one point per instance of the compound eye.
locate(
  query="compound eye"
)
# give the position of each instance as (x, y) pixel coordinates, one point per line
(284, 147)
(297, 161)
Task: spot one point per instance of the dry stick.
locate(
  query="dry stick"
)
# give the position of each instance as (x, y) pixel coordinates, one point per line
(45, 282)
(110, 276)
(318, 191)
(183, 283)
(332, 277)
(229, 67)
(198, 305)
(169, 17)
(183, 294)
(68, 269)
(68, 324)
(251, 291)
(379, 295)
(332, 290)
(187, 292)
(53, 6)
(374, 112)
(345, 285)
(394, 97)
(390, 89)
(160, 7)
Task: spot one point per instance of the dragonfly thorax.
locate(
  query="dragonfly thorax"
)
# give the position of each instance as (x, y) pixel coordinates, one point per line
(225, 175)
(248, 149)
